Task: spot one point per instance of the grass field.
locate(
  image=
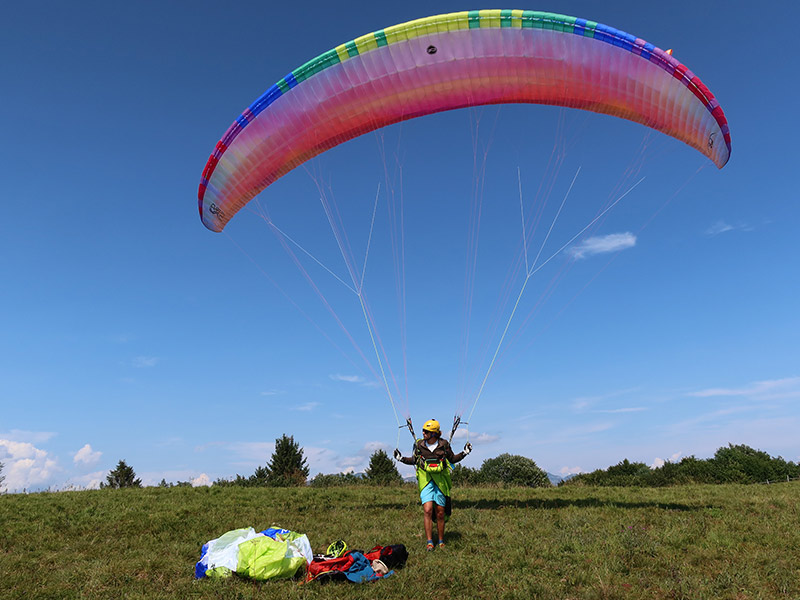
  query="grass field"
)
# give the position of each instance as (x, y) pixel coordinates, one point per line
(688, 542)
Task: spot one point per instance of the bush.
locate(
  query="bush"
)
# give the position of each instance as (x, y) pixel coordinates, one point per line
(743, 464)
(513, 470)
(731, 464)
(237, 481)
(466, 476)
(696, 470)
(335, 480)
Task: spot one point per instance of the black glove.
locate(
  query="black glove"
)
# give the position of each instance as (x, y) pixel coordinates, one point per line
(397, 455)
(467, 448)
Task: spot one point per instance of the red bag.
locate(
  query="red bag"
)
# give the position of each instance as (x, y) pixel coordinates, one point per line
(334, 565)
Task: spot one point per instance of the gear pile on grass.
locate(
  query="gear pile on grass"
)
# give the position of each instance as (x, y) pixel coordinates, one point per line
(277, 553)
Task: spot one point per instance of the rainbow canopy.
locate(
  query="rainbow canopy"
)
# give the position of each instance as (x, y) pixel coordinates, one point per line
(454, 61)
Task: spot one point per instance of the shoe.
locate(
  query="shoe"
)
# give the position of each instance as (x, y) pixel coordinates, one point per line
(441, 545)
(429, 547)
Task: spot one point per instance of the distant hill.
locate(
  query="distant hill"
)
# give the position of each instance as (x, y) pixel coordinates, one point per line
(556, 479)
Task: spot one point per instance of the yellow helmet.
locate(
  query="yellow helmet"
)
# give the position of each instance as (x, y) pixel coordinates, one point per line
(432, 425)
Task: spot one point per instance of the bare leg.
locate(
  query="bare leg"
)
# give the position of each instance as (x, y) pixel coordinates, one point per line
(428, 519)
(440, 522)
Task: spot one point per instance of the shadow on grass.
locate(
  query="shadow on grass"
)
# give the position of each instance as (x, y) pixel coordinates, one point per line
(562, 503)
(395, 505)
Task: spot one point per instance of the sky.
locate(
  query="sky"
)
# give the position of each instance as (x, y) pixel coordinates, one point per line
(668, 328)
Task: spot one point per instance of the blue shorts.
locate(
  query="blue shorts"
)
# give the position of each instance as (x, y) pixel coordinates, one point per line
(432, 493)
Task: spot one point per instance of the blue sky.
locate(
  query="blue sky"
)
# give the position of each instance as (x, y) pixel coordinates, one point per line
(129, 331)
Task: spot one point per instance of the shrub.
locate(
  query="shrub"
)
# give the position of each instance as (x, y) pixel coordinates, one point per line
(743, 464)
(731, 464)
(335, 480)
(465, 475)
(513, 470)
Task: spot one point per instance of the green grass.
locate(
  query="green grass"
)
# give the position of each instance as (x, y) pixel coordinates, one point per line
(689, 542)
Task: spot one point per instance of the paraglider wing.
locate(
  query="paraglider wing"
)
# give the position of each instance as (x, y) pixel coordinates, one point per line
(453, 61)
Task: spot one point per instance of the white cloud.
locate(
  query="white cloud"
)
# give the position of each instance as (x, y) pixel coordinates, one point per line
(271, 393)
(25, 466)
(572, 434)
(348, 464)
(723, 227)
(86, 455)
(710, 420)
(90, 481)
(33, 437)
(584, 402)
(305, 407)
(613, 411)
(355, 379)
(570, 470)
(660, 462)
(478, 438)
(249, 451)
(348, 378)
(372, 447)
(201, 480)
(719, 227)
(788, 387)
(325, 460)
(145, 362)
(321, 460)
(613, 242)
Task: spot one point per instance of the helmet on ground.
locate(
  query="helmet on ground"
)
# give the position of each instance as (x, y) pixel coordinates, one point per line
(432, 425)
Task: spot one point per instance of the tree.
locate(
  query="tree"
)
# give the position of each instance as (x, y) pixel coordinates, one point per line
(381, 470)
(121, 477)
(259, 478)
(287, 467)
(2, 477)
(512, 469)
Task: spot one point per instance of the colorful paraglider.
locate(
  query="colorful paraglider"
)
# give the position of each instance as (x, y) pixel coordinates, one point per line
(445, 62)
(453, 61)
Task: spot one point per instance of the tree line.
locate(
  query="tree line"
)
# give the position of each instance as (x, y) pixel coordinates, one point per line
(287, 467)
(731, 464)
